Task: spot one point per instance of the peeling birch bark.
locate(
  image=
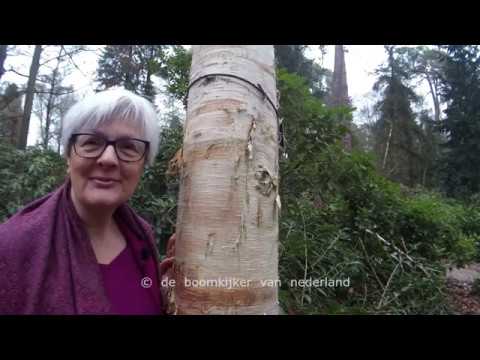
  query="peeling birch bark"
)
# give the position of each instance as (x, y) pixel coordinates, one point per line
(227, 225)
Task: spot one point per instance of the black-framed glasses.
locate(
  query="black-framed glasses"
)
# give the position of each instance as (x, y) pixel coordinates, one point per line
(92, 146)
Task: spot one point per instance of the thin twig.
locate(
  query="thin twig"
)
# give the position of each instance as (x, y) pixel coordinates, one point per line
(16, 72)
(73, 52)
(371, 266)
(404, 245)
(306, 258)
(390, 244)
(386, 286)
(325, 252)
(420, 266)
(74, 64)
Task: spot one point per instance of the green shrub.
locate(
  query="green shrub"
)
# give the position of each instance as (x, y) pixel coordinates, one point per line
(358, 231)
(26, 176)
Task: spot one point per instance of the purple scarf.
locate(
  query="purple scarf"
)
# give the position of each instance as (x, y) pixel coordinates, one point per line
(47, 264)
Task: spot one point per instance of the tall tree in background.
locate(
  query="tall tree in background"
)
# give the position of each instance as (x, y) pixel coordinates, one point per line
(339, 89)
(427, 63)
(339, 93)
(40, 61)
(176, 71)
(117, 66)
(29, 94)
(3, 56)
(47, 98)
(461, 91)
(430, 149)
(130, 66)
(397, 136)
(229, 174)
(11, 114)
(51, 103)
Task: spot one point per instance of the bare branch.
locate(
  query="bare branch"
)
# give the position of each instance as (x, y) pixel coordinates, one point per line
(20, 74)
(73, 62)
(73, 52)
(81, 72)
(16, 72)
(55, 93)
(22, 92)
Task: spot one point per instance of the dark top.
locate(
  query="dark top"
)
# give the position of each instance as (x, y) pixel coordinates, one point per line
(123, 284)
(129, 292)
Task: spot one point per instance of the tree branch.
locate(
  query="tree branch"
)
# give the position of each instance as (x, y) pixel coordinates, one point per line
(16, 72)
(73, 62)
(20, 74)
(73, 52)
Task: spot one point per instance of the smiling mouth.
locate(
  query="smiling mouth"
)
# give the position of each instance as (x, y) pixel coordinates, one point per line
(104, 181)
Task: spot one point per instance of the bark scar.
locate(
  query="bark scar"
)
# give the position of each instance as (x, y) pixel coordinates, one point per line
(265, 181)
(210, 244)
(175, 163)
(251, 131)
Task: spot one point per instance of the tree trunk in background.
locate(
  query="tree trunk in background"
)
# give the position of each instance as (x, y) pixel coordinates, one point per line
(3, 56)
(339, 92)
(50, 101)
(387, 147)
(27, 112)
(435, 98)
(227, 226)
(11, 113)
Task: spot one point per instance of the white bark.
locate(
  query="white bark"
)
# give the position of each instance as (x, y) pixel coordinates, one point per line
(387, 147)
(228, 207)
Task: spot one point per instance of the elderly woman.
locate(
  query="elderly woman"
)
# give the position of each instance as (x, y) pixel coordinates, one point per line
(81, 249)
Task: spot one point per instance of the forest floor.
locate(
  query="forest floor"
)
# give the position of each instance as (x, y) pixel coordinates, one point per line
(459, 289)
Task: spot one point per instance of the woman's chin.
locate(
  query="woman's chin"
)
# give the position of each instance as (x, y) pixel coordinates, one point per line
(104, 201)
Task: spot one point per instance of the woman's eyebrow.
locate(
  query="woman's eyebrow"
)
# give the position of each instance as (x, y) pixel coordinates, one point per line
(98, 132)
(121, 136)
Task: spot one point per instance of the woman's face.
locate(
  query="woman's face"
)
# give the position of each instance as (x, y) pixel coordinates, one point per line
(105, 182)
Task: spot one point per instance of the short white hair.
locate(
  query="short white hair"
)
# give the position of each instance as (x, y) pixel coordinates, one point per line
(108, 106)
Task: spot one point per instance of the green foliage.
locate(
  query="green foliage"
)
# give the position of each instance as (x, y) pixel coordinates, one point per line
(130, 66)
(461, 89)
(292, 58)
(176, 72)
(26, 176)
(391, 245)
(440, 227)
(356, 231)
(156, 196)
(398, 139)
(343, 220)
(308, 126)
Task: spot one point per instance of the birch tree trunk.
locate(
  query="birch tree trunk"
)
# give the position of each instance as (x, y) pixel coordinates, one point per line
(226, 258)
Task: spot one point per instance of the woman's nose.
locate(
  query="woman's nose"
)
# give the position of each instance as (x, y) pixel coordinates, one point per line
(109, 156)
